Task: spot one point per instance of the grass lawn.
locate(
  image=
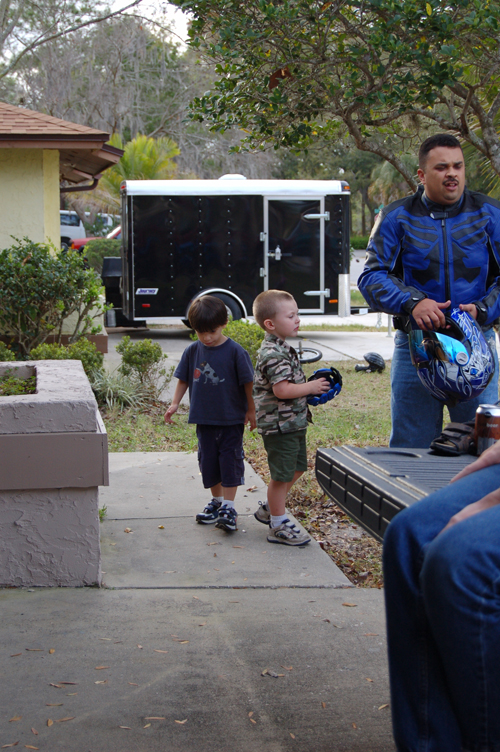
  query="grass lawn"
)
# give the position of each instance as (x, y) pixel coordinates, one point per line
(359, 415)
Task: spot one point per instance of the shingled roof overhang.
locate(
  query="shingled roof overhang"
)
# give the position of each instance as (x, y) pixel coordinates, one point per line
(84, 153)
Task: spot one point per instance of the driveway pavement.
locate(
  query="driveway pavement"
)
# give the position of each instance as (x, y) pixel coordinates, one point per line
(199, 639)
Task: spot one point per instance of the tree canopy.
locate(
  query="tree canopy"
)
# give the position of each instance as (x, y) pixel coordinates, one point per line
(26, 25)
(291, 71)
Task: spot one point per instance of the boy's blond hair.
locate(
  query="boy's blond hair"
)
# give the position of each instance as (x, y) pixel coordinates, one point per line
(265, 305)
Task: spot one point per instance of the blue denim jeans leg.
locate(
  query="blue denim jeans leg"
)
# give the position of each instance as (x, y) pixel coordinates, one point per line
(417, 417)
(442, 597)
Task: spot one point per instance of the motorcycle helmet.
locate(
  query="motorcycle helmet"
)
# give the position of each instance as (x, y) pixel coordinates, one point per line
(375, 363)
(454, 364)
(335, 379)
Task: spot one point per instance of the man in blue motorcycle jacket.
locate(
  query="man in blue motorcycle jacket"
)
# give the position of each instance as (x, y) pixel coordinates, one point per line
(436, 249)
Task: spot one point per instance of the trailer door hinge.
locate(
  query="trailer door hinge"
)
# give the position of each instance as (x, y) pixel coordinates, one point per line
(262, 237)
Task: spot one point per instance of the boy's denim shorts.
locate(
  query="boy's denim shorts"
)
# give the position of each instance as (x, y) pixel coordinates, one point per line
(286, 454)
(220, 455)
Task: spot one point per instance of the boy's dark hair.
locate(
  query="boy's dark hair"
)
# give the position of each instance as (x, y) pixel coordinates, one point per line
(207, 313)
(265, 305)
(439, 139)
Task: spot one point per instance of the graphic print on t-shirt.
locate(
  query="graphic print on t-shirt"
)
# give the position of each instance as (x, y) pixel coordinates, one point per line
(206, 370)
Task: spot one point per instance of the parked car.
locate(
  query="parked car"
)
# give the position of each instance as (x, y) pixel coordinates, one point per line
(72, 227)
(80, 243)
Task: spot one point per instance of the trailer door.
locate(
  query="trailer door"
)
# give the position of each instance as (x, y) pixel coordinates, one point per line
(294, 250)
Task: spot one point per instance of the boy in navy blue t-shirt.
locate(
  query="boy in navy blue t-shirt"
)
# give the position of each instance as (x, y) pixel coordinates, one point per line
(219, 375)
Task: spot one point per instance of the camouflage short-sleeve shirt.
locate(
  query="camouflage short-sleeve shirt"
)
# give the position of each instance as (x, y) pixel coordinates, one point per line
(277, 361)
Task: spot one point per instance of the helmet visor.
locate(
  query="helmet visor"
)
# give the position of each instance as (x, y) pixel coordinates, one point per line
(432, 346)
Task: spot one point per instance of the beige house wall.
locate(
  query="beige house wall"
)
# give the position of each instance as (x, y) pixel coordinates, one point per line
(29, 195)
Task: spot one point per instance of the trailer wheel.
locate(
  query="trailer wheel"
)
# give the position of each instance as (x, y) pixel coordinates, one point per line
(233, 309)
(309, 355)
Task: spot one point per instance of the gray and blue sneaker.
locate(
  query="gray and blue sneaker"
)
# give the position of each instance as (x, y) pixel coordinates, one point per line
(263, 513)
(228, 519)
(287, 533)
(210, 514)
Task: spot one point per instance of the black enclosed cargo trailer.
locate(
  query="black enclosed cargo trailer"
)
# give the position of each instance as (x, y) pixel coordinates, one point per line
(234, 238)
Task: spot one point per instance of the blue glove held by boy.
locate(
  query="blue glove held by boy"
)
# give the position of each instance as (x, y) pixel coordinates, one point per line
(335, 379)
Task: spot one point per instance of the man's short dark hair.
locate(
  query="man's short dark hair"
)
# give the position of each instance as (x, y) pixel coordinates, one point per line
(207, 313)
(439, 139)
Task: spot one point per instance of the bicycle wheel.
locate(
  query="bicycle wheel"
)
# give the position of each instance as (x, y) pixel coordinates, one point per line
(309, 355)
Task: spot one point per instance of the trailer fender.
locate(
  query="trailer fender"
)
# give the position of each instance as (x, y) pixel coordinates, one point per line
(233, 303)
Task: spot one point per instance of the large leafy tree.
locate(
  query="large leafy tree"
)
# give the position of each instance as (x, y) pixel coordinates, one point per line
(290, 71)
(27, 25)
(117, 75)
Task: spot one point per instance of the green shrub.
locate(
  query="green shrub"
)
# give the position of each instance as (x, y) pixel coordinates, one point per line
(6, 355)
(114, 390)
(12, 385)
(144, 361)
(87, 352)
(95, 251)
(49, 351)
(246, 334)
(92, 360)
(359, 242)
(40, 288)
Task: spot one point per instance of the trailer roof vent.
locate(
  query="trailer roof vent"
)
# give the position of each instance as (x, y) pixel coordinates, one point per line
(232, 176)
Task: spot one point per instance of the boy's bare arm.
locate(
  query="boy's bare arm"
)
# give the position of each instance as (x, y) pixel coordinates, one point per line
(286, 390)
(180, 391)
(250, 413)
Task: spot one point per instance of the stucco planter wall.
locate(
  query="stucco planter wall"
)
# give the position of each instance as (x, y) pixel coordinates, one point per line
(53, 457)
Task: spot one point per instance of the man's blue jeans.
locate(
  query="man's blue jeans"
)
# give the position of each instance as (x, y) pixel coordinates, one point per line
(417, 417)
(443, 621)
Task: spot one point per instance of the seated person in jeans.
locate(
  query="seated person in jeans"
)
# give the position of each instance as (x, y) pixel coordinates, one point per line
(442, 590)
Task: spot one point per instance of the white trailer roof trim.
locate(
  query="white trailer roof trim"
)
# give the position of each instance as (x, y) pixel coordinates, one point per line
(278, 188)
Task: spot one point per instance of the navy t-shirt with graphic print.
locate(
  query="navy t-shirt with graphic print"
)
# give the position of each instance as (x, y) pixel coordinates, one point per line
(216, 376)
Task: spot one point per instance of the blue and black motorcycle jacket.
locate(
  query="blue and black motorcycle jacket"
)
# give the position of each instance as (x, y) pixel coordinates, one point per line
(418, 250)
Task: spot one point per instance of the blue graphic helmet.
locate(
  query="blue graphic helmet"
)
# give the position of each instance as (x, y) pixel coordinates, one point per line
(335, 379)
(454, 364)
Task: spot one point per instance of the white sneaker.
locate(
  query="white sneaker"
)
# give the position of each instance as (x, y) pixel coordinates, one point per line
(287, 533)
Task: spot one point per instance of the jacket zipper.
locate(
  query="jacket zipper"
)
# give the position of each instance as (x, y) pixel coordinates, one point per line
(446, 260)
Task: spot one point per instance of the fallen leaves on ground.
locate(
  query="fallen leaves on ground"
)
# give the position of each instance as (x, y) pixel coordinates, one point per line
(355, 552)
(271, 672)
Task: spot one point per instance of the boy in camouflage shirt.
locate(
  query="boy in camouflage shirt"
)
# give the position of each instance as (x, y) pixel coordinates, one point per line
(280, 390)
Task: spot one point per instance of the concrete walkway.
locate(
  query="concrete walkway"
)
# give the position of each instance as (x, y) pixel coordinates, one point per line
(200, 640)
